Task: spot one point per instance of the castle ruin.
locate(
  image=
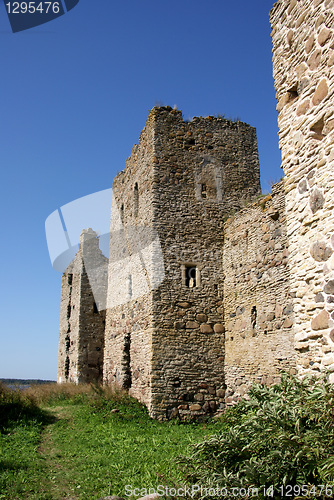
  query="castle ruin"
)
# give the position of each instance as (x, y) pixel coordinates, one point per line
(210, 287)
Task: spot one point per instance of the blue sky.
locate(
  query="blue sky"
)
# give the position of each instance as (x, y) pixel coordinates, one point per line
(75, 94)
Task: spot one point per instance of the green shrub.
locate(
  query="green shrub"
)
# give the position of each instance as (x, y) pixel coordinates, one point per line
(283, 435)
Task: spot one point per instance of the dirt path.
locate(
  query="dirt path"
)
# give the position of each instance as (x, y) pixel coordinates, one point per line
(56, 484)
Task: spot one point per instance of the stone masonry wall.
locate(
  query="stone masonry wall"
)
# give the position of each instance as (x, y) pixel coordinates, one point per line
(203, 169)
(92, 309)
(69, 323)
(164, 328)
(303, 58)
(199, 308)
(258, 308)
(82, 314)
(129, 323)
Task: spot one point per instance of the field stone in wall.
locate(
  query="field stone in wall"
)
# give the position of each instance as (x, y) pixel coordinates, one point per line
(303, 39)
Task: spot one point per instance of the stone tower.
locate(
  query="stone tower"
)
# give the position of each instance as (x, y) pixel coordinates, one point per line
(303, 58)
(82, 314)
(205, 293)
(164, 336)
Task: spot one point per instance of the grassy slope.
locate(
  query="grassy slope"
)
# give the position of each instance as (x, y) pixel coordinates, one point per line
(78, 449)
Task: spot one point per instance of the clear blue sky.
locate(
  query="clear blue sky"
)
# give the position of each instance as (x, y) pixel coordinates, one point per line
(75, 94)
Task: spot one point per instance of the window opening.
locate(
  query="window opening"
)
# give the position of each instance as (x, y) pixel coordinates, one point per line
(67, 367)
(293, 92)
(253, 316)
(67, 343)
(122, 213)
(190, 276)
(136, 199)
(70, 279)
(126, 362)
(95, 309)
(203, 190)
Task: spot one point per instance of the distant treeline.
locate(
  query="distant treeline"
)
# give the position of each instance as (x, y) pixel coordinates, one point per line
(21, 382)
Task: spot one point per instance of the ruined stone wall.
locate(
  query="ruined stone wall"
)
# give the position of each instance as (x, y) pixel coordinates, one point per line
(303, 57)
(92, 309)
(258, 308)
(82, 314)
(203, 169)
(128, 335)
(164, 327)
(69, 323)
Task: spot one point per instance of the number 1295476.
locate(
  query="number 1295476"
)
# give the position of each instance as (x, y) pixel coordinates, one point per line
(33, 7)
(321, 490)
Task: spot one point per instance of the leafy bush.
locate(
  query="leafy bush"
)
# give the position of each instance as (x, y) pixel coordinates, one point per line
(283, 435)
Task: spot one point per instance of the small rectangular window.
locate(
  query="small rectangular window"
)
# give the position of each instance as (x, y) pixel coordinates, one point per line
(203, 190)
(136, 200)
(191, 275)
(122, 213)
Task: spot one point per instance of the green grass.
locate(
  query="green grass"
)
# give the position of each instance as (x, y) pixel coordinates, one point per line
(67, 443)
(81, 442)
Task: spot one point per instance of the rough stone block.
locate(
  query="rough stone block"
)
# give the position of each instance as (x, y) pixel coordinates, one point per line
(201, 318)
(331, 335)
(184, 305)
(320, 92)
(199, 397)
(205, 328)
(219, 328)
(192, 324)
(321, 321)
(302, 108)
(195, 407)
(329, 287)
(317, 200)
(288, 323)
(314, 60)
(320, 251)
(324, 35)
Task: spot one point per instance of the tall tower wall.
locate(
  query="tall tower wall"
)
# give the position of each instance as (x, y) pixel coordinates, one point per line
(303, 58)
(129, 320)
(69, 323)
(82, 314)
(165, 328)
(205, 169)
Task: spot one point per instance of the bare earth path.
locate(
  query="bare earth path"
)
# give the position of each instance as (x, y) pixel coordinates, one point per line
(56, 480)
